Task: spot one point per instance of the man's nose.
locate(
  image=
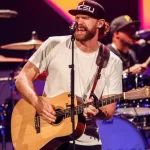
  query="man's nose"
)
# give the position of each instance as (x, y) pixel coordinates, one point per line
(80, 21)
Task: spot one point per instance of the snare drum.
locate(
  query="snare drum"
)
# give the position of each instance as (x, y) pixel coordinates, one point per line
(120, 134)
(134, 108)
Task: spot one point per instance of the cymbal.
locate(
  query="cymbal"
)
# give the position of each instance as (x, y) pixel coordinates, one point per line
(8, 13)
(29, 45)
(11, 59)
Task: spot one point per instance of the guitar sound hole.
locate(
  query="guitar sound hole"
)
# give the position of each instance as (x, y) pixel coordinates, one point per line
(60, 116)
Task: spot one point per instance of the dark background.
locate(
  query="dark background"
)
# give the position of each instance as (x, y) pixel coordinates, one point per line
(37, 15)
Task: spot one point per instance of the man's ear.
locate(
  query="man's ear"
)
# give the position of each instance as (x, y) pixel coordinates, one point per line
(101, 23)
(116, 34)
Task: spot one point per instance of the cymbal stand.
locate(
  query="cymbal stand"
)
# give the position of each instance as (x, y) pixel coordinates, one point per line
(2, 128)
(136, 80)
(11, 80)
(2, 125)
(129, 80)
(15, 72)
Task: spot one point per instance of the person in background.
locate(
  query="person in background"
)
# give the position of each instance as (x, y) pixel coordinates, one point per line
(122, 30)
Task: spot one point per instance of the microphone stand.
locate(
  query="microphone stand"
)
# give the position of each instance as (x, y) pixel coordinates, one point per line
(72, 89)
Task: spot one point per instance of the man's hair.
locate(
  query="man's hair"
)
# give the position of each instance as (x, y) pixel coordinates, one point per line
(104, 30)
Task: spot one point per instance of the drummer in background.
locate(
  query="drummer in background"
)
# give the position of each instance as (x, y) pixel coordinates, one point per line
(122, 30)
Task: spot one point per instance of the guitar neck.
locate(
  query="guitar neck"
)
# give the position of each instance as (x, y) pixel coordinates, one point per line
(138, 93)
(130, 95)
(80, 108)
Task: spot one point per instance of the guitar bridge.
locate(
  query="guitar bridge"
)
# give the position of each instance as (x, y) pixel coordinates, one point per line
(37, 123)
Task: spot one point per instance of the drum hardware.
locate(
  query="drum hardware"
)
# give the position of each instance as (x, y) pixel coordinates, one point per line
(131, 81)
(32, 44)
(3, 123)
(139, 107)
(12, 87)
(11, 59)
(8, 13)
(134, 108)
(142, 122)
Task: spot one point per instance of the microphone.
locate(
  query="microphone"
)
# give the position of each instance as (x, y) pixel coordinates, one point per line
(73, 27)
(141, 42)
(141, 32)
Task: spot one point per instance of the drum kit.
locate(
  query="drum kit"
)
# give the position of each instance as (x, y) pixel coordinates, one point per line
(130, 127)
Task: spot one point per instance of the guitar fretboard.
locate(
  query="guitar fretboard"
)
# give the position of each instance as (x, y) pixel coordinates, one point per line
(80, 108)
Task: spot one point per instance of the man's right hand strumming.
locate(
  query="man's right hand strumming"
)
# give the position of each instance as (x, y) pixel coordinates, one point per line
(136, 69)
(24, 82)
(45, 110)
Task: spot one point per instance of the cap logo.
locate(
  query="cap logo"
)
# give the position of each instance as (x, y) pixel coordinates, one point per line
(127, 18)
(86, 7)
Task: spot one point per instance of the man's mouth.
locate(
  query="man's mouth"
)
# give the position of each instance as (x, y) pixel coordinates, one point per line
(81, 30)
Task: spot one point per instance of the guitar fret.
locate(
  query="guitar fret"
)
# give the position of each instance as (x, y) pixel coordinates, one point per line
(103, 103)
(111, 99)
(67, 113)
(79, 109)
(114, 98)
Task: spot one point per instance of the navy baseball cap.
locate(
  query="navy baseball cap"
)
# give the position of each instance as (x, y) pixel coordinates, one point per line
(89, 7)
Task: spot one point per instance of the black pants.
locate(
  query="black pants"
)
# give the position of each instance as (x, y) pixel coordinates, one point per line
(68, 146)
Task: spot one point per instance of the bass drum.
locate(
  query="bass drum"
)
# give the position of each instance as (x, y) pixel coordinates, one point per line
(120, 134)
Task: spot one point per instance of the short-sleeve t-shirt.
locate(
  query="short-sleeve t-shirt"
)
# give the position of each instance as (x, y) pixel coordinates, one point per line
(55, 56)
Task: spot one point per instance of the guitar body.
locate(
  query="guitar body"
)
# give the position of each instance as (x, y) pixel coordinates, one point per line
(51, 136)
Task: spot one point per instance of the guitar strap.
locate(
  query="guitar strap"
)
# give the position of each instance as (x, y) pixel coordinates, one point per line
(101, 61)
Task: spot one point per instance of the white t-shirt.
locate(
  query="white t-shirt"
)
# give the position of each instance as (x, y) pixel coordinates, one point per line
(55, 56)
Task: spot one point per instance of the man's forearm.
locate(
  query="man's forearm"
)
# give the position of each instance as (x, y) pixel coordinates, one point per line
(26, 89)
(106, 112)
(103, 115)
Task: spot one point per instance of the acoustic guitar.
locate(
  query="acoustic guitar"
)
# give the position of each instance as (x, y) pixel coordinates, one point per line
(30, 132)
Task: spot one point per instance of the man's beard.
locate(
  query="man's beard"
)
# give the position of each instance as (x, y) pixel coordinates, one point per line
(88, 36)
(126, 43)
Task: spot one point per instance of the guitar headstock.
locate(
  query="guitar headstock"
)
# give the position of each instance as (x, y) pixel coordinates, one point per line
(138, 93)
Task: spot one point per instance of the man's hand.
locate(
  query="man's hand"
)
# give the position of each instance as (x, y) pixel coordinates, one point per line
(137, 68)
(103, 113)
(90, 111)
(45, 110)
